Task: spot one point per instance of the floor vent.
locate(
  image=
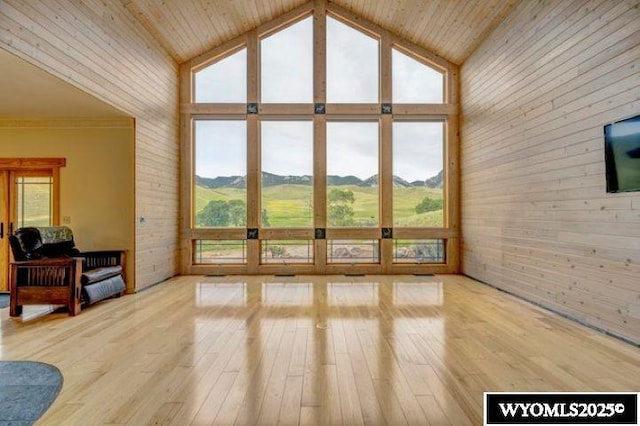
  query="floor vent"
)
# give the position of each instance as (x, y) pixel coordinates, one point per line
(215, 275)
(354, 275)
(423, 275)
(284, 275)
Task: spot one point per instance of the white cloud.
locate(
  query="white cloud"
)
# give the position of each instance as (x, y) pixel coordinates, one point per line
(414, 82)
(417, 149)
(287, 147)
(352, 65)
(221, 147)
(287, 64)
(223, 81)
(287, 77)
(352, 149)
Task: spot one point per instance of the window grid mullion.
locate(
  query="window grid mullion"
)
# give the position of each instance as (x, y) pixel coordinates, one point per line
(346, 112)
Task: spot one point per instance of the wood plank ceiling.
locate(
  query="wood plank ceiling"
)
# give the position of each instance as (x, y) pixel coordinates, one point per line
(449, 28)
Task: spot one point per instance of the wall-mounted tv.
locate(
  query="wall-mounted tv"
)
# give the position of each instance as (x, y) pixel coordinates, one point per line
(622, 155)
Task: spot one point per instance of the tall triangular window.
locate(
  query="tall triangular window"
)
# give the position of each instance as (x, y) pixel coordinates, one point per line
(415, 82)
(352, 65)
(286, 66)
(224, 81)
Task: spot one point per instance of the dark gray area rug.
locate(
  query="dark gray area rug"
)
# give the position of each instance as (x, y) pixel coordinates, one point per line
(4, 300)
(27, 389)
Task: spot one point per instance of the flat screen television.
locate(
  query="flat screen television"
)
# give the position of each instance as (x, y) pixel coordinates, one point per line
(622, 155)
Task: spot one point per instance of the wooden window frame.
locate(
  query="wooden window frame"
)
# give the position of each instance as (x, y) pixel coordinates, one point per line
(9, 167)
(36, 167)
(448, 112)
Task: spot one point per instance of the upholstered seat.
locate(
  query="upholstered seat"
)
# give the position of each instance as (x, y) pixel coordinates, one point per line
(100, 274)
(49, 269)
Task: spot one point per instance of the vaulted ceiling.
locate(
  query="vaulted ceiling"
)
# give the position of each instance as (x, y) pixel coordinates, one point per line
(449, 28)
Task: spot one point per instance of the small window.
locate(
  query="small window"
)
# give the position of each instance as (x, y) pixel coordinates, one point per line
(34, 201)
(224, 81)
(419, 251)
(353, 251)
(220, 251)
(287, 251)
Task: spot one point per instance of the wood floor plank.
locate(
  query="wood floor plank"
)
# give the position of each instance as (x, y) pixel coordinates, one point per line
(370, 407)
(321, 350)
(274, 392)
(391, 409)
(299, 352)
(290, 408)
(239, 391)
(309, 416)
(432, 410)
(349, 398)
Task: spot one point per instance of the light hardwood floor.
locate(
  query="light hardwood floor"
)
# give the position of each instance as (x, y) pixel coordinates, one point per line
(311, 350)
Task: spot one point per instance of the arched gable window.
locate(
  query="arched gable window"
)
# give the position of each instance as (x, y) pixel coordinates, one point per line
(319, 143)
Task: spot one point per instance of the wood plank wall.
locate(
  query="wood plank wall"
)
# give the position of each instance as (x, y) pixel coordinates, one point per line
(536, 218)
(102, 49)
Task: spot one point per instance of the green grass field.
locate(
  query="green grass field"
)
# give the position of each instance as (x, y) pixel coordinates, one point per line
(290, 205)
(404, 204)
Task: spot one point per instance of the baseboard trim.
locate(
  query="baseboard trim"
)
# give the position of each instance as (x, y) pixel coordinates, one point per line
(562, 314)
(155, 284)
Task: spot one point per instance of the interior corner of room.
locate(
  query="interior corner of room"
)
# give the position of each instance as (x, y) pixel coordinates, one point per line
(511, 263)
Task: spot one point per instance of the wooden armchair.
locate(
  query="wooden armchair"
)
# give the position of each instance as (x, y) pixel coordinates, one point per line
(49, 269)
(45, 282)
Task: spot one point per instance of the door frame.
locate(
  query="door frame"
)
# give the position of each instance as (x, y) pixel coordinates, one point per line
(10, 167)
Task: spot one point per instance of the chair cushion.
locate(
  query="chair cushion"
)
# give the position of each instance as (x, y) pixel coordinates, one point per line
(55, 234)
(104, 289)
(100, 274)
(57, 241)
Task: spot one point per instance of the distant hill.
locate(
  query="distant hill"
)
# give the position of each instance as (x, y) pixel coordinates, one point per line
(270, 179)
(344, 180)
(398, 182)
(222, 182)
(433, 182)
